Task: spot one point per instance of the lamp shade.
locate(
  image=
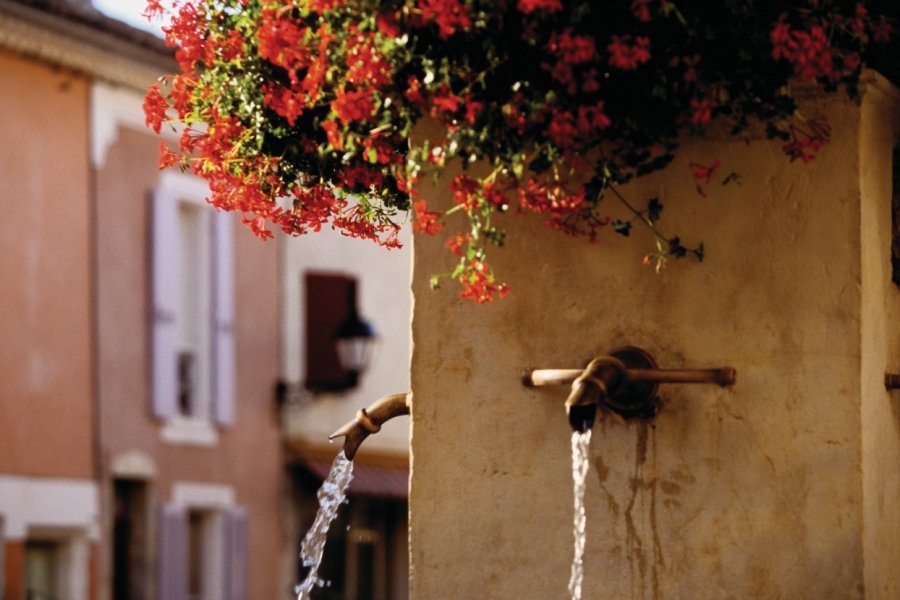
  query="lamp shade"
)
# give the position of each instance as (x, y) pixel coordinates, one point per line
(355, 340)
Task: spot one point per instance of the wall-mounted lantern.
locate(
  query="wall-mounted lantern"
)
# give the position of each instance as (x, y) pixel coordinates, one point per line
(355, 344)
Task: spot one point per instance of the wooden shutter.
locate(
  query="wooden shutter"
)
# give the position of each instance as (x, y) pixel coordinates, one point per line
(172, 562)
(329, 301)
(223, 359)
(236, 554)
(164, 304)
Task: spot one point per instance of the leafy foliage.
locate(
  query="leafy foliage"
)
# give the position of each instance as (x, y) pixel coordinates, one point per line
(299, 113)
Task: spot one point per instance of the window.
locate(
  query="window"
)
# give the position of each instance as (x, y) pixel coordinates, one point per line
(2, 557)
(42, 565)
(330, 299)
(129, 539)
(192, 289)
(193, 315)
(55, 565)
(202, 545)
(366, 552)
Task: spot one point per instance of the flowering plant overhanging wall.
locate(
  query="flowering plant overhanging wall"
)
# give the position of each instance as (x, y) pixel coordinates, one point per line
(299, 113)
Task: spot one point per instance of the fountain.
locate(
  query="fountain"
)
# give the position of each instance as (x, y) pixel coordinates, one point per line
(624, 382)
(332, 494)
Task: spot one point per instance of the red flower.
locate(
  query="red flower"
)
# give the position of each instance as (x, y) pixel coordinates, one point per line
(180, 94)
(286, 102)
(627, 56)
(641, 10)
(702, 111)
(187, 32)
(333, 134)
(450, 15)
(153, 10)
(562, 131)
(444, 100)
(466, 191)
(167, 158)
(381, 151)
(472, 109)
(809, 52)
(323, 6)
(281, 42)
(806, 142)
(425, 220)
(530, 6)
(388, 25)
(703, 174)
(479, 285)
(413, 92)
(570, 51)
(365, 65)
(155, 106)
(455, 244)
(591, 118)
(353, 106)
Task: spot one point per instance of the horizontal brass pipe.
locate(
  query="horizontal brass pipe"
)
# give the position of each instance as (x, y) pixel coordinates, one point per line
(724, 376)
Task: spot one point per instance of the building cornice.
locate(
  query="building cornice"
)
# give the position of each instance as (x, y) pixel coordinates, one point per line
(98, 46)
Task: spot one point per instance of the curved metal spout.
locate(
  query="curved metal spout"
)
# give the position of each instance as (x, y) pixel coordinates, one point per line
(625, 382)
(369, 420)
(591, 388)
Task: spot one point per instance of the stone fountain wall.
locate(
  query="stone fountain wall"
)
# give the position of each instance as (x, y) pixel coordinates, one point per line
(785, 486)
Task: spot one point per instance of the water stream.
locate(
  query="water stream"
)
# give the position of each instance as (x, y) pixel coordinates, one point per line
(331, 495)
(581, 442)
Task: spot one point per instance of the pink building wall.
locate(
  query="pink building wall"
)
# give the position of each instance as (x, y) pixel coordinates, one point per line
(46, 414)
(247, 455)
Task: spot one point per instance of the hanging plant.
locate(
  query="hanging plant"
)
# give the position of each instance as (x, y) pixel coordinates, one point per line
(299, 113)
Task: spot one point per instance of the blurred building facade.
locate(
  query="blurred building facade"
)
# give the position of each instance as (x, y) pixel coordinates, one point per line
(137, 459)
(326, 280)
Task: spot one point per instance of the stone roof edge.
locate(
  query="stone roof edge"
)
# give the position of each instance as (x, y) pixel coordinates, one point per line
(871, 79)
(88, 43)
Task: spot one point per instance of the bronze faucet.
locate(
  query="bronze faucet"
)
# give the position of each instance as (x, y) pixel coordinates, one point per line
(369, 420)
(625, 382)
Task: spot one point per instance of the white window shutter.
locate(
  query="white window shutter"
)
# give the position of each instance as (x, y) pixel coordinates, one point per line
(223, 371)
(164, 305)
(172, 561)
(236, 555)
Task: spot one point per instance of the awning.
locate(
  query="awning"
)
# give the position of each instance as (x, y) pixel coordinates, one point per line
(368, 481)
(375, 474)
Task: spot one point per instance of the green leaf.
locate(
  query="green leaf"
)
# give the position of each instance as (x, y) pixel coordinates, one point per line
(654, 209)
(622, 227)
(676, 249)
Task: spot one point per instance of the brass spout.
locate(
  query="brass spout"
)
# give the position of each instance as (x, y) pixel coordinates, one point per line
(591, 388)
(369, 420)
(624, 382)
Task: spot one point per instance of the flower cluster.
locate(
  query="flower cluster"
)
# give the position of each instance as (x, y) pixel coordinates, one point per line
(298, 113)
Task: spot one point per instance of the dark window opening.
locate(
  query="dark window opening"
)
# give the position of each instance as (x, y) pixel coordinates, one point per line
(42, 570)
(365, 555)
(186, 383)
(330, 300)
(196, 553)
(129, 540)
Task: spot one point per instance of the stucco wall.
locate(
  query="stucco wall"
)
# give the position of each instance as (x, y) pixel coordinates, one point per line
(46, 405)
(750, 492)
(880, 346)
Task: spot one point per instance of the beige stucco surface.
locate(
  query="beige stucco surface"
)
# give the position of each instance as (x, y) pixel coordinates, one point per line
(880, 124)
(784, 486)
